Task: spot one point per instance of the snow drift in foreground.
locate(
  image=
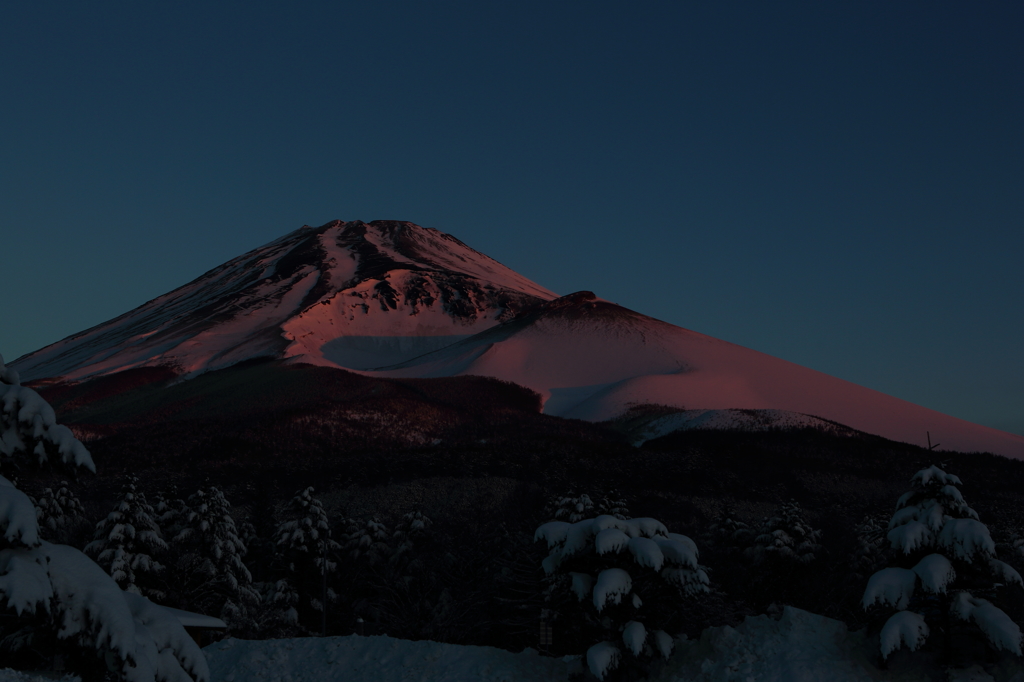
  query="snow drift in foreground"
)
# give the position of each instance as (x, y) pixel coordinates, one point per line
(374, 659)
(799, 647)
(8, 675)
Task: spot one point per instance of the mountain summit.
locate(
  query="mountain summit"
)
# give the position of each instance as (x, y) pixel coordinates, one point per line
(356, 295)
(393, 299)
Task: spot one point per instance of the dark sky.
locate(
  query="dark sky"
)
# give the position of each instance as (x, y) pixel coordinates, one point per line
(837, 184)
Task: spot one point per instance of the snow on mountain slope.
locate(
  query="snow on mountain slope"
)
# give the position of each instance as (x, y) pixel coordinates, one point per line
(591, 359)
(356, 295)
(407, 301)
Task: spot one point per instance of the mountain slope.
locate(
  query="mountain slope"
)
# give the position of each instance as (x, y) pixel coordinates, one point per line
(348, 294)
(591, 359)
(398, 300)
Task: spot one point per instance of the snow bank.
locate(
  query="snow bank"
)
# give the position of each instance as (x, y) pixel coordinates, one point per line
(375, 659)
(799, 647)
(8, 675)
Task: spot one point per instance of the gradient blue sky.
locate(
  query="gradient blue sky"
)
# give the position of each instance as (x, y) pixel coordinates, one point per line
(837, 184)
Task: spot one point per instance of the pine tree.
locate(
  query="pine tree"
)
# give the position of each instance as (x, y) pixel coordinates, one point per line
(127, 542)
(786, 537)
(628, 581)
(730, 535)
(305, 544)
(944, 574)
(365, 542)
(410, 533)
(869, 554)
(56, 593)
(212, 576)
(781, 563)
(410, 597)
(61, 515)
(285, 597)
(614, 504)
(572, 507)
(365, 550)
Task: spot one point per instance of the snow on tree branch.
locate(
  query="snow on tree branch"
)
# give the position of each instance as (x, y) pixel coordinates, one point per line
(70, 593)
(948, 552)
(903, 627)
(28, 424)
(636, 574)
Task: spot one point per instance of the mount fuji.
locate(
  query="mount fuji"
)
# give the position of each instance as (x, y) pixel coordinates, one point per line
(354, 295)
(393, 299)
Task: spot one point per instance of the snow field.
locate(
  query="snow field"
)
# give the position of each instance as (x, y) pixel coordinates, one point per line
(596, 360)
(375, 659)
(8, 675)
(798, 647)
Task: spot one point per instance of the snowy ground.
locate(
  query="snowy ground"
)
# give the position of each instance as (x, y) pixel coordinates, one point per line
(799, 647)
(8, 675)
(374, 659)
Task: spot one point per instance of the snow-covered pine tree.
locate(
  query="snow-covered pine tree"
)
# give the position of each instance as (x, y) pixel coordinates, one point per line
(574, 507)
(613, 504)
(305, 545)
(521, 578)
(729, 534)
(725, 542)
(365, 541)
(170, 513)
(61, 515)
(630, 579)
(57, 588)
(786, 537)
(365, 550)
(521, 588)
(284, 598)
(869, 553)
(772, 564)
(211, 574)
(127, 542)
(410, 532)
(945, 571)
(411, 597)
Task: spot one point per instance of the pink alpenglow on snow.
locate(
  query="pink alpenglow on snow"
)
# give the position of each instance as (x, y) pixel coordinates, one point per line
(591, 359)
(354, 295)
(400, 300)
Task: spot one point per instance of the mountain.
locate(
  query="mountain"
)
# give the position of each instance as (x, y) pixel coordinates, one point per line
(591, 359)
(355, 295)
(391, 299)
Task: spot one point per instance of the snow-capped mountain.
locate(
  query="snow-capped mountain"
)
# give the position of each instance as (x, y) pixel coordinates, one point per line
(393, 299)
(591, 359)
(356, 295)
